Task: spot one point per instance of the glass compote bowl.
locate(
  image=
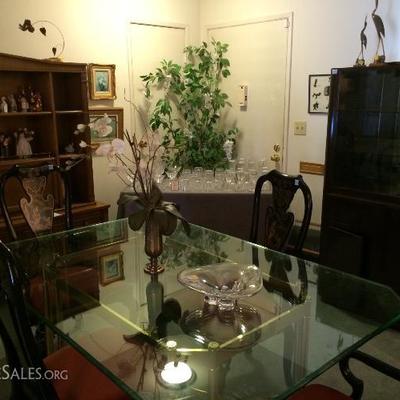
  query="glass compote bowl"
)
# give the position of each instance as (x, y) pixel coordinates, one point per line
(223, 284)
(222, 319)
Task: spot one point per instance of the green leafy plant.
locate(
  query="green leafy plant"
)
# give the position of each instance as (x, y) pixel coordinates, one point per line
(188, 111)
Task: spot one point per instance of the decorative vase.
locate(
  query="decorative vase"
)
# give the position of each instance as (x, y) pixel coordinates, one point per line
(157, 224)
(160, 218)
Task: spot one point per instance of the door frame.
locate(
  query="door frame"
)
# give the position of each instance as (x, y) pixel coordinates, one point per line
(130, 44)
(288, 17)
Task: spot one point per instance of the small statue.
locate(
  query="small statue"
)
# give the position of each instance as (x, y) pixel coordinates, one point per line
(2, 137)
(36, 104)
(23, 146)
(30, 98)
(23, 102)
(380, 30)
(360, 62)
(6, 146)
(3, 105)
(12, 103)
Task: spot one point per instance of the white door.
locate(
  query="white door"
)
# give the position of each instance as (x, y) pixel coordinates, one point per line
(149, 45)
(259, 53)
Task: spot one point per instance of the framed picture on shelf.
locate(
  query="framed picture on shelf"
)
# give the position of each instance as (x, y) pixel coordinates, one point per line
(111, 268)
(106, 124)
(101, 81)
(318, 94)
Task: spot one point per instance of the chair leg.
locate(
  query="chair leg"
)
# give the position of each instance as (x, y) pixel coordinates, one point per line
(356, 383)
(40, 339)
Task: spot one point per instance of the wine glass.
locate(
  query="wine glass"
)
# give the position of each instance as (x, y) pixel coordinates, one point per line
(172, 172)
(230, 179)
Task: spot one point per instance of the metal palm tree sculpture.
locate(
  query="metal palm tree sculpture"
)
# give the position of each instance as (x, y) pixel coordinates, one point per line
(363, 39)
(380, 29)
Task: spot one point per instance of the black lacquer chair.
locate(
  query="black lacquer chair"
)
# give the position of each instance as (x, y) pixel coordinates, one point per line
(37, 207)
(84, 380)
(278, 220)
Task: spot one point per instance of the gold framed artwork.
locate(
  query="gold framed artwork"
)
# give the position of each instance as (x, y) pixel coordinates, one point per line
(111, 268)
(106, 124)
(101, 81)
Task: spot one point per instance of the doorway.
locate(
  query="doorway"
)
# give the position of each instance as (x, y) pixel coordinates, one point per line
(260, 57)
(149, 44)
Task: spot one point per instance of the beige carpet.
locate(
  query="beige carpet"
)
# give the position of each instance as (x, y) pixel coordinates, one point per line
(386, 347)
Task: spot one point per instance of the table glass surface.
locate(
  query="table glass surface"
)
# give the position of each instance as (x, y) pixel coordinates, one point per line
(305, 318)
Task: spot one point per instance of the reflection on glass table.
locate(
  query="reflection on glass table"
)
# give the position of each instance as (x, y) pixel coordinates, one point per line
(140, 329)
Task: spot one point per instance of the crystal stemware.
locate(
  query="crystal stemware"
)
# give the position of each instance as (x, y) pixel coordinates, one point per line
(172, 172)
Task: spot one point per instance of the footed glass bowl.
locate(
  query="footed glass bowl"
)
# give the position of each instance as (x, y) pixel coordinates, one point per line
(223, 284)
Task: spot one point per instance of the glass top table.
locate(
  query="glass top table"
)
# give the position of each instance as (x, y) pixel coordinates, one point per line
(158, 339)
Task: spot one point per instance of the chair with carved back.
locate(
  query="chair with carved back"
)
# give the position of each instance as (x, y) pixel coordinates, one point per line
(37, 206)
(84, 380)
(277, 226)
(279, 220)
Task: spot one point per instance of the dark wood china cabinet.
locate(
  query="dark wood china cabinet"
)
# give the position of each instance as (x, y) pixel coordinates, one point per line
(360, 230)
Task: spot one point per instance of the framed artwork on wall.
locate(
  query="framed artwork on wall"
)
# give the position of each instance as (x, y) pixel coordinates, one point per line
(111, 268)
(102, 81)
(318, 94)
(111, 234)
(106, 124)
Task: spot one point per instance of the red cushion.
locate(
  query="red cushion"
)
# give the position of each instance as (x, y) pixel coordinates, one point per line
(318, 392)
(85, 381)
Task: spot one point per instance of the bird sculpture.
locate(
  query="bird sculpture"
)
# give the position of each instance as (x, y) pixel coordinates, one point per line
(360, 62)
(380, 29)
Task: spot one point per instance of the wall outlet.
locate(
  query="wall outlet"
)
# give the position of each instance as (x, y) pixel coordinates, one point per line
(300, 128)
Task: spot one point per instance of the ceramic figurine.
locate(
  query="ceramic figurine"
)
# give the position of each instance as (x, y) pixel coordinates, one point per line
(2, 137)
(23, 146)
(36, 102)
(12, 103)
(6, 146)
(24, 105)
(3, 105)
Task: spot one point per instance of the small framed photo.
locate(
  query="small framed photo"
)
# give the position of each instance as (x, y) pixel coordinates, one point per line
(102, 81)
(318, 94)
(106, 124)
(111, 268)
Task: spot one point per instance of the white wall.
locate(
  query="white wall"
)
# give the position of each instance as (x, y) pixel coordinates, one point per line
(325, 35)
(96, 31)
